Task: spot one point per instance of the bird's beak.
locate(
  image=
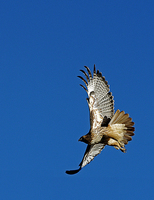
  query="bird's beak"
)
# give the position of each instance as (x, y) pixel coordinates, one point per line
(80, 139)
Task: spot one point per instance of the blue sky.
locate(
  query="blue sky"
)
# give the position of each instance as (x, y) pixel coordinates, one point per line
(43, 110)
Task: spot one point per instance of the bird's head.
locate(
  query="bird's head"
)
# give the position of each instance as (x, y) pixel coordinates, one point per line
(81, 139)
(86, 139)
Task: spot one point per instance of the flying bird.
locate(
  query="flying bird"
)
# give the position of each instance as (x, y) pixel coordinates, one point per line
(106, 127)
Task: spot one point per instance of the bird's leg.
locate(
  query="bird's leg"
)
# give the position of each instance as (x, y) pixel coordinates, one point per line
(116, 144)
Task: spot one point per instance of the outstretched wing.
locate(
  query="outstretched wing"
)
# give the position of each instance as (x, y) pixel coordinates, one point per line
(100, 101)
(90, 153)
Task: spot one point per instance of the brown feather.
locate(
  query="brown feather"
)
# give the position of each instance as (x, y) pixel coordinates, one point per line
(89, 72)
(84, 87)
(86, 75)
(94, 69)
(83, 80)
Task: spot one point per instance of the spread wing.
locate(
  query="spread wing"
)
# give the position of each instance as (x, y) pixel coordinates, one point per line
(90, 153)
(100, 101)
(101, 106)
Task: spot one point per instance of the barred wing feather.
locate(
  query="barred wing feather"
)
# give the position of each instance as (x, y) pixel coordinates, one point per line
(91, 152)
(100, 99)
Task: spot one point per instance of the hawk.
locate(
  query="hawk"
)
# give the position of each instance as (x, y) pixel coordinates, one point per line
(106, 127)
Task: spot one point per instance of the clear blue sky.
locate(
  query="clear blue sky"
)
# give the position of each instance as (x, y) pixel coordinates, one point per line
(43, 110)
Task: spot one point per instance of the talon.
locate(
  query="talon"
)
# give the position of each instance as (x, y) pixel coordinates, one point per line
(123, 149)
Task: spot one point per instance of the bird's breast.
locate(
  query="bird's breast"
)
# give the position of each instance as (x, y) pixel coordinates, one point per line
(97, 134)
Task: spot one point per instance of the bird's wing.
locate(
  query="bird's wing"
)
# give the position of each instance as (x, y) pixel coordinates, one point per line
(90, 153)
(100, 101)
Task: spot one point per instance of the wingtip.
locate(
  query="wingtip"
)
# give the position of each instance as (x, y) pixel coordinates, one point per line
(71, 172)
(84, 87)
(94, 69)
(89, 72)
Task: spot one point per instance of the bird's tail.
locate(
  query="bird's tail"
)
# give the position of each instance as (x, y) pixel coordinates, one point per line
(121, 129)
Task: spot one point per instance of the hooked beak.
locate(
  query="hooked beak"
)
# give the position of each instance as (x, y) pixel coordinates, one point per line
(81, 139)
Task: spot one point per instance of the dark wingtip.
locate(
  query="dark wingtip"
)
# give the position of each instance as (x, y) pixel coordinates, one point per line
(71, 172)
(83, 80)
(84, 88)
(89, 72)
(94, 69)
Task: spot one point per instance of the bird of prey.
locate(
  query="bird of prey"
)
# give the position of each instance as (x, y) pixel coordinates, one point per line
(106, 127)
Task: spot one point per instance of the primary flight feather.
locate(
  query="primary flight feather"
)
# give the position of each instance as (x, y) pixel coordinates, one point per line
(106, 127)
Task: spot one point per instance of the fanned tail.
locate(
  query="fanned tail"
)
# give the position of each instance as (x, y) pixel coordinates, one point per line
(121, 129)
